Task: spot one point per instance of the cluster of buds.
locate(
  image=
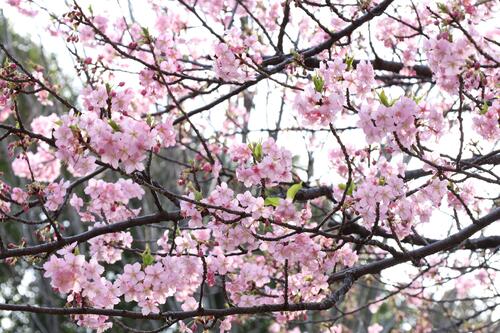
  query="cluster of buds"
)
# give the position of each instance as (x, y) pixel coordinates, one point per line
(11, 82)
(74, 18)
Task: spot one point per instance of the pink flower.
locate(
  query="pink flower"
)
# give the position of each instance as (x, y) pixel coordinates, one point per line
(19, 196)
(318, 108)
(98, 98)
(227, 66)
(274, 166)
(365, 77)
(148, 306)
(487, 124)
(55, 194)
(44, 165)
(332, 71)
(189, 304)
(166, 132)
(375, 328)
(132, 273)
(225, 325)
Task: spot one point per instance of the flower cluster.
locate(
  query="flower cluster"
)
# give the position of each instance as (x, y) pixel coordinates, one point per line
(71, 274)
(108, 201)
(244, 276)
(363, 78)
(267, 163)
(486, 124)
(55, 194)
(381, 198)
(227, 67)
(317, 108)
(232, 56)
(319, 105)
(41, 164)
(386, 120)
(109, 247)
(4, 205)
(6, 106)
(121, 141)
(151, 285)
(447, 59)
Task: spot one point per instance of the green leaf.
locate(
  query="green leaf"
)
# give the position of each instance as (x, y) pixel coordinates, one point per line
(256, 149)
(74, 128)
(484, 108)
(349, 62)
(350, 189)
(292, 191)
(384, 99)
(319, 82)
(258, 152)
(442, 7)
(272, 201)
(146, 36)
(150, 120)
(114, 126)
(265, 227)
(198, 195)
(418, 99)
(147, 258)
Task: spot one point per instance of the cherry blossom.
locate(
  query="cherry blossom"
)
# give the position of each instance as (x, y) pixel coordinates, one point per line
(205, 163)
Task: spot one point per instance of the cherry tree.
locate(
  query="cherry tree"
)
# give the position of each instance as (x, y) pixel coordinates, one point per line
(315, 165)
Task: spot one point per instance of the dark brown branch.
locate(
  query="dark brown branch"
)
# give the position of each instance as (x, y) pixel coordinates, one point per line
(282, 61)
(439, 246)
(328, 303)
(115, 227)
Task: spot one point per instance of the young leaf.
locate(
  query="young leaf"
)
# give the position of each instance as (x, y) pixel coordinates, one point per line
(272, 201)
(349, 62)
(292, 191)
(484, 108)
(147, 258)
(319, 82)
(145, 32)
(265, 227)
(150, 120)
(114, 126)
(418, 99)
(350, 189)
(256, 149)
(384, 99)
(442, 7)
